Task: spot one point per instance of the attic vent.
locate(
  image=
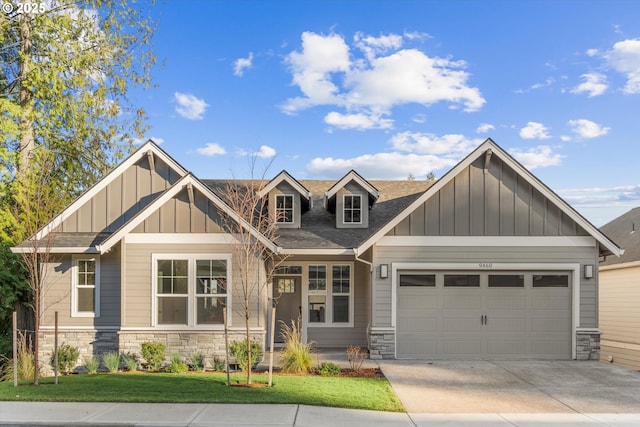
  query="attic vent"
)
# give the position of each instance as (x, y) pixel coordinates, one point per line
(633, 228)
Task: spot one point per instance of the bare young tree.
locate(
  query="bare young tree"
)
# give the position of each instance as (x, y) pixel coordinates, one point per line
(255, 254)
(34, 201)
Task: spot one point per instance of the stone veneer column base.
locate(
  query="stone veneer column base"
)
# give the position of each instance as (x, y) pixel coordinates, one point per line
(382, 343)
(588, 344)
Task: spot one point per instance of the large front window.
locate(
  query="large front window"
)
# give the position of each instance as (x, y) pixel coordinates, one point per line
(330, 305)
(191, 290)
(284, 208)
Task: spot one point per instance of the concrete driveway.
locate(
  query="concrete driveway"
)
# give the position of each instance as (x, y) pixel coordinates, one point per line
(483, 387)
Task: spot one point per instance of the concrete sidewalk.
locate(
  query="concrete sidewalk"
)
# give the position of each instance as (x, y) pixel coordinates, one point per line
(157, 414)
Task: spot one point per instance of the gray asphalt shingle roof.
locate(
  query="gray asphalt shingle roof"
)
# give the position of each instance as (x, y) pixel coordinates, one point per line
(625, 231)
(69, 240)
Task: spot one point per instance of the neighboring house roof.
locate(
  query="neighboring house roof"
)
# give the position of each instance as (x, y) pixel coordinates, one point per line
(625, 231)
(487, 149)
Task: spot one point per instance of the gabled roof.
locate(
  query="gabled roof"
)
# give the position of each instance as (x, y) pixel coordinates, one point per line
(285, 177)
(352, 176)
(183, 183)
(625, 231)
(487, 149)
(149, 148)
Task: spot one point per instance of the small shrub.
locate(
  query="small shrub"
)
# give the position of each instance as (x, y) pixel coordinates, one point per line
(67, 358)
(153, 353)
(111, 361)
(329, 369)
(239, 350)
(296, 356)
(177, 366)
(91, 364)
(197, 361)
(26, 362)
(218, 364)
(356, 357)
(130, 361)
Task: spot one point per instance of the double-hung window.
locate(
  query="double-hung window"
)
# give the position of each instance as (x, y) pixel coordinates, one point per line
(330, 304)
(85, 295)
(352, 209)
(284, 208)
(190, 290)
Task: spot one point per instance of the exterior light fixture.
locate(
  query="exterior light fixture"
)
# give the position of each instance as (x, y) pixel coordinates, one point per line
(384, 271)
(588, 271)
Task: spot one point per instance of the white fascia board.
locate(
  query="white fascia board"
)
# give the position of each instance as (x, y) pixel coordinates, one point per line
(339, 251)
(352, 176)
(521, 171)
(149, 146)
(487, 241)
(284, 176)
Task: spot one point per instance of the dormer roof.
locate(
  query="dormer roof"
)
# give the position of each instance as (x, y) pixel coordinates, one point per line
(342, 182)
(285, 177)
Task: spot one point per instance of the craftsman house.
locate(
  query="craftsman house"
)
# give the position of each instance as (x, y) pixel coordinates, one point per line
(484, 263)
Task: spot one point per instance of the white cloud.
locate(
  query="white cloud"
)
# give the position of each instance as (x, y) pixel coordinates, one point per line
(241, 63)
(211, 149)
(592, 52)
(328, 73)
(140, 141)
(265, 152)
(534, 130)
(484, 128)
(189, 106)
(357, 121)
(624, 57)
(602, 196)
(452, 145)
(380, 166)
(594, 84)
(586, 129)
(537, 157)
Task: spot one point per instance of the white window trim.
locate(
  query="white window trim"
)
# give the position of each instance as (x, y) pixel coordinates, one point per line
(344, 220)
(328, 293)
(293, 209)
(74, 286)
(191, 286)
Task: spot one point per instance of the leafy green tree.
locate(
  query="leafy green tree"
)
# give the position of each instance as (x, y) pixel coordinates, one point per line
(66, 68)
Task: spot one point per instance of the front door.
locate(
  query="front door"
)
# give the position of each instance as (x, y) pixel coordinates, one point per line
(287, 295)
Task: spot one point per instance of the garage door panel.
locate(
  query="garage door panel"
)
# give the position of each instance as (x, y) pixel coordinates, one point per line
(484, 322)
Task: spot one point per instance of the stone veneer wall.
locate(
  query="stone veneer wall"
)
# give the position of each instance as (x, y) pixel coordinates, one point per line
(382, 344)
(94, 343)
(588, 345)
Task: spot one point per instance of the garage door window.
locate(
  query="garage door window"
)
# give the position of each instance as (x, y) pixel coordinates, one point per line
(506, 280)
(550, 281)
(462, 280)
(417, 280)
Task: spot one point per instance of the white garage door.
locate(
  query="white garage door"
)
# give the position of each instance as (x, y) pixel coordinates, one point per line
(484, 315)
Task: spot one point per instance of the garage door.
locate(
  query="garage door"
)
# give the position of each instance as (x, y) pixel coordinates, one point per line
(481, 315)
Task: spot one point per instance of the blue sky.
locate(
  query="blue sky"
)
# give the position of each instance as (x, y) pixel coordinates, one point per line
(405, 87)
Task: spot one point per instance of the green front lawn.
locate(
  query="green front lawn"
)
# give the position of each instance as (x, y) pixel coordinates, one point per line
(357, 393)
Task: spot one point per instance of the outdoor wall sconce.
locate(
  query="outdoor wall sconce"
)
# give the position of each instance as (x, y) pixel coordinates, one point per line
(588, 271)
(384, 271)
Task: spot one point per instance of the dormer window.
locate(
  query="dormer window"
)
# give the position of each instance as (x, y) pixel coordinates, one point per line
(352, 209)
(284, 208)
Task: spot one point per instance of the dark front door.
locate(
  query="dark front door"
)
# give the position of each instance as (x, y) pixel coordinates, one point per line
(287, 294)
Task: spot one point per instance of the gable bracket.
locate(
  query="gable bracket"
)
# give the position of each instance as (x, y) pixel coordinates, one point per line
(190, 193)
(152, 165)
(487, 160)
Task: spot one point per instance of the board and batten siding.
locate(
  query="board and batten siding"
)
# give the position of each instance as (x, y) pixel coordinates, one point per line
(179, 215)
(122, 198)
(342, 337)
(496, 203)
(58, 287)
(138, 286)
(382, 293)
(620, 314)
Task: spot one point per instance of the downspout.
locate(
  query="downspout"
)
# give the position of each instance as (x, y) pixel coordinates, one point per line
(370, 264)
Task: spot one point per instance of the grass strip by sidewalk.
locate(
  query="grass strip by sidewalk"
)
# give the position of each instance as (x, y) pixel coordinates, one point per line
(355, 393)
